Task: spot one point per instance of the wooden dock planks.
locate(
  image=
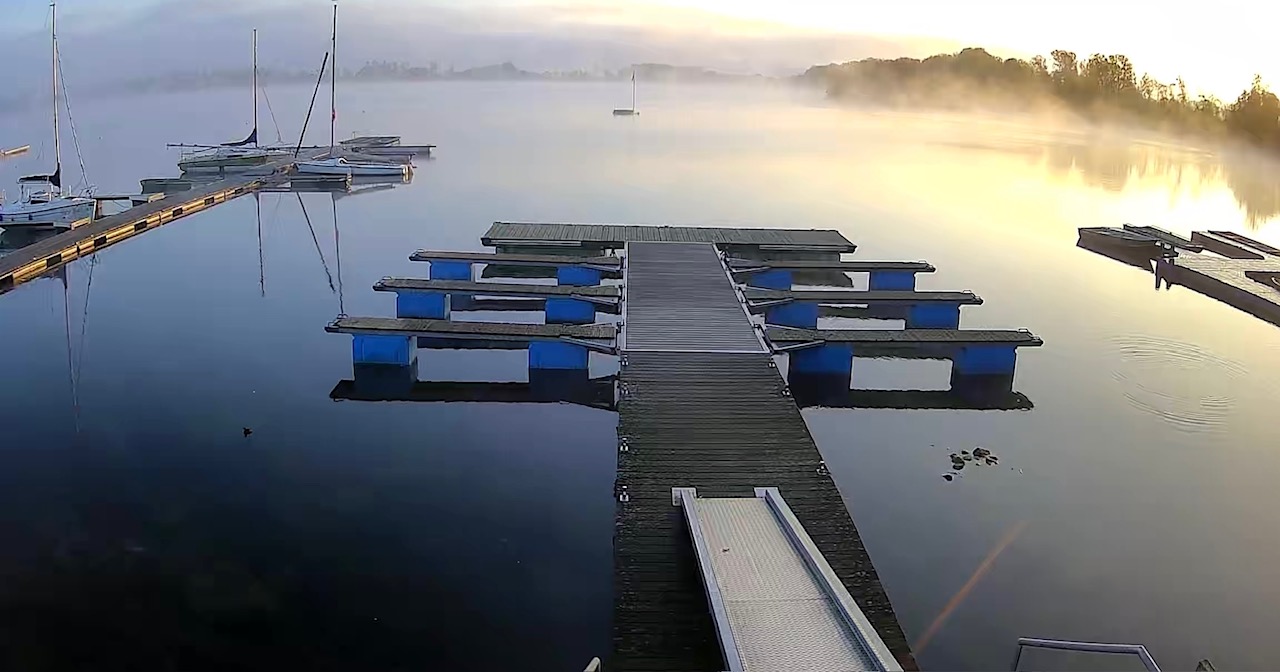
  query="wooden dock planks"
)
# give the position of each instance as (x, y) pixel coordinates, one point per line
(616, 236)
(874, 296)
(496, 288)
(905, 336)
(679, 298)
(848, 266)
(39, 258)
(721, 423)
(405, 326)
(512, 259)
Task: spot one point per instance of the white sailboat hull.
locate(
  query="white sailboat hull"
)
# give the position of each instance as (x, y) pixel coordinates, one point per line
(63, 211)
(352, 168)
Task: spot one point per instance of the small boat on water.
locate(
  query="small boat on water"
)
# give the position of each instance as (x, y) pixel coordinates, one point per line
(629, 111)
(42, 200)
(341, 165)
(232, 157)
(343, 157)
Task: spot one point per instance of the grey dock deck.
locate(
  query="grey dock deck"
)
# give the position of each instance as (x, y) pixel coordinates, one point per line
(461, 330)
(703, 406)
(848, 266)
(789, 335)
(39, 258)
(755, 295)
(1248, 242)
(1156, 233)
(679, 299)
(543, 260)
(511, 289)
(616, 236)
(1225, 247)
(721, 423)
(1247, 284)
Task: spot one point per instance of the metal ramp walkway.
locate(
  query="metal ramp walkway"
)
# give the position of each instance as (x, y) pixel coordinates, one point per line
(777, 604)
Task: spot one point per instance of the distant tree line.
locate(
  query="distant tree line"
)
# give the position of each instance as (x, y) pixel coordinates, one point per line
(1100, 85)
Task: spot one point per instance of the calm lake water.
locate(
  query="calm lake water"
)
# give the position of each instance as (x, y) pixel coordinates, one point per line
(141, 529)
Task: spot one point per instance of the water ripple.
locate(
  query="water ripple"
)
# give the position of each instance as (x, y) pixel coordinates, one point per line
(1181, 383)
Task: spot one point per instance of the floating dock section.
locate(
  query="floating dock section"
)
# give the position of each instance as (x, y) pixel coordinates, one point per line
(1224, 265)
(52, 253)
(733, 548)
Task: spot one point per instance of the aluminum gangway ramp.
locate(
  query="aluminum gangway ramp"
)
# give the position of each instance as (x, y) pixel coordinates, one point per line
(776, 603)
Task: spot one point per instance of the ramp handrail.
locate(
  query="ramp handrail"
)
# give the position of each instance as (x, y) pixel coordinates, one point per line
(1086, 647)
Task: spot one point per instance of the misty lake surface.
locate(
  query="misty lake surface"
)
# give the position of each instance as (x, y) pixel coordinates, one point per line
(141, 529)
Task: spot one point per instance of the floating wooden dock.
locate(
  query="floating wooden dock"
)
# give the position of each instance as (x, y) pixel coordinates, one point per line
(616, 236)
(716, 468)
(1233, 268)
(56, 251)
(703, 406)
(610, 264)
(379, 326)
(907, 337)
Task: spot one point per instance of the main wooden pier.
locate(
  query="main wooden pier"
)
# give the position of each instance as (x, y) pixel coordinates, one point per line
(733, 548)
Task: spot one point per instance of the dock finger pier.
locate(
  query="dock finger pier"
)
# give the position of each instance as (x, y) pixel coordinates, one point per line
(733, 548)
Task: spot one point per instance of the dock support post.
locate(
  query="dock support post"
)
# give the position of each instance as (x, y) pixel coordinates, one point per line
(449, 270)
(570, 311)
(377, 349)
(557, 355)
(892, 281)
(426, 305)
(934, 316)
(829, 360)
(793, 314)
(771, 279)
(578, 276)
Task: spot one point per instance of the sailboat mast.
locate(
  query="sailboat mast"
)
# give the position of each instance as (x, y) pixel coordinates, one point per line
(633, 89)
(255, 87)
(57, 140)
(333, 80)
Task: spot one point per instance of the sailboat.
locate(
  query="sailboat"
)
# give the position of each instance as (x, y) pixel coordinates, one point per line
(42, 200)
(631, 111)
(232, 156)
(334, 163)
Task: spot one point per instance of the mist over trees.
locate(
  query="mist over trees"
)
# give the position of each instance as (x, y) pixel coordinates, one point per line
(1100, 86)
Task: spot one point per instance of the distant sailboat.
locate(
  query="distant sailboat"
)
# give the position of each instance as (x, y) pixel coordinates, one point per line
(232, 156)
(335, 163)
(42, 199)
(631, 111)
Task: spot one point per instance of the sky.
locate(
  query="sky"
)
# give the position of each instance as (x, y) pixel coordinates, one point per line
(1216, 47)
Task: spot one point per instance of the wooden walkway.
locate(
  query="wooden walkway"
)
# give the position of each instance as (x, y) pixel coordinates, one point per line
(481, 330)
(721, 423)
(496, 288)
(542, 260)
(874, 296)
(848, 266)
(706, 409)
(788, 335)
(616, 236)
(54, 252)
(679, 299)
